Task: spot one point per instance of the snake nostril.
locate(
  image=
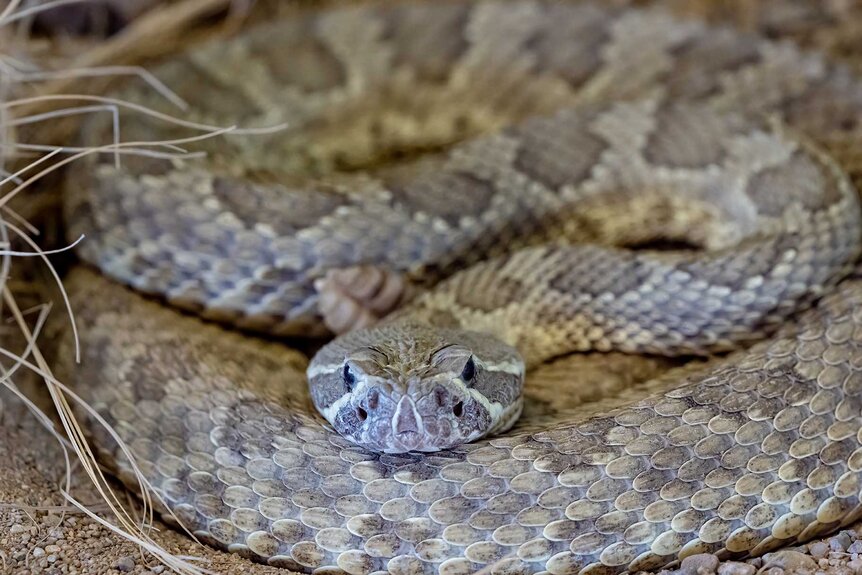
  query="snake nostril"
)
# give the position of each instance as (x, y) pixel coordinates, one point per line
(361, 414)
(458, 409)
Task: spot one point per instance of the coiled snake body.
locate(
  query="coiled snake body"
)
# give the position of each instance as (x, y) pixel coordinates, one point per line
(603, 130)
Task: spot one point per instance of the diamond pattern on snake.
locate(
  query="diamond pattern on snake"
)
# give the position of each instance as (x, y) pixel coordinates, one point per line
(487, 199)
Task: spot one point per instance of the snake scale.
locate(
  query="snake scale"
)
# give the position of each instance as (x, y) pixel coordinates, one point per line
(562, 177)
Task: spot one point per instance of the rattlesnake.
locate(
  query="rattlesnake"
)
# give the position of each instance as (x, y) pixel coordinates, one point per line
(605, 130)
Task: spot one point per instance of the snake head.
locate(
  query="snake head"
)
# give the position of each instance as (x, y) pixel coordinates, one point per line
(410, 387)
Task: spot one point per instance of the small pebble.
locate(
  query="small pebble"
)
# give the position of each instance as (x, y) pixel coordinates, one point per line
(840, 542)
(736, 568)
(818, 549)
(18, 528)
(125, 564)
(157, 569)
(52, 548)
(38, 552)
(700, 564)
(855, 547)
(789, 560)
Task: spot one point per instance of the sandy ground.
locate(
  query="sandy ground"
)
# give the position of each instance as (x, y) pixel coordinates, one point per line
(41, 533)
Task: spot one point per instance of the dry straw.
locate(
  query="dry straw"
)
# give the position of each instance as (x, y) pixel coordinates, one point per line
(38, 99)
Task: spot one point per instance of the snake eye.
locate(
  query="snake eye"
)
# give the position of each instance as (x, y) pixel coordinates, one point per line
(469, 371)
(349, 378)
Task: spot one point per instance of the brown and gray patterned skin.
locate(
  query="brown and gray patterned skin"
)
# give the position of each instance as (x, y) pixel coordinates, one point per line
(604, 131)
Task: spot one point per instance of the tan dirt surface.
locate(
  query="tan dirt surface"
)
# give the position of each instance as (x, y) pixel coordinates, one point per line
(41, 533)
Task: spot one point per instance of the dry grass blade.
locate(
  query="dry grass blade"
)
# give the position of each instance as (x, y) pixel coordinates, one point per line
(107, 71)
(51, 102)
(128, 528)
(153, 34)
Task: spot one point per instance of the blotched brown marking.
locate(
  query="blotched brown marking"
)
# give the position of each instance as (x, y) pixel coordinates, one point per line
(296, 56)
(208, 97)
(559, 150)
(834, 103)
(799, 179)
(571, 48)
(210, 100)
(427, 38)
(701, 61)
(449, 195)
(689, 136)
(442, 318)
(148, 374)
(829, 112)
(593, 272)
(283, 208)
(496, 293)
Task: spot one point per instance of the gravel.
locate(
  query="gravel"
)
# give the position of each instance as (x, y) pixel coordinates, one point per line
(41, 534)
(125, 564)
(829, 556)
